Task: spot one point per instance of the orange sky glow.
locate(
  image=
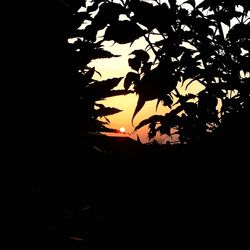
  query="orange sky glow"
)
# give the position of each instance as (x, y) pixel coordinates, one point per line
(118, 67)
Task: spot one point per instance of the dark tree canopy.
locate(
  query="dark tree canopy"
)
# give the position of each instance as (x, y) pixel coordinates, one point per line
(206, 43)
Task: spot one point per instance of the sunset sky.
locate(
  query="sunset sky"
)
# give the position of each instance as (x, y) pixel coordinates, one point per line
(118, 67)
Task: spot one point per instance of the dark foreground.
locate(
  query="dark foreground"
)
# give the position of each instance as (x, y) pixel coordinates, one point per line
(135, 196)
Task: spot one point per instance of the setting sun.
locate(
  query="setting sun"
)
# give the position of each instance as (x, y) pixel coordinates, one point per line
(122, 129)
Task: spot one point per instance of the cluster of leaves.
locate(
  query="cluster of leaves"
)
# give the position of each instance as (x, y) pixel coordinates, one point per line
(84, 48)
(192, 45)
(210, 56)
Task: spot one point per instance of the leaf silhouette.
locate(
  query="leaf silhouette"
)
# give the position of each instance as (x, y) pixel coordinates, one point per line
(117, 92)
(157, 82)
(142, 11)
(100, 89)
(123, 32)
(89, 33)
(176, 111)
(141, 55)
(209, 4)
(131, 78)
(108, 14)
(101, 53)
(239, 31)
(140, 103)
(155, 85)
(105, 111)
(134, 63)
(167, 101)
(109, 83)
(152, 119)
(164, 18)
(225, 16)
(191, 2)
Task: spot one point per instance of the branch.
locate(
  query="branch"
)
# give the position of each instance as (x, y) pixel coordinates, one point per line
(152, 47)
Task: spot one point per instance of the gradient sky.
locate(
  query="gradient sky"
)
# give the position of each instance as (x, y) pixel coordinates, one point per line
(118, 67)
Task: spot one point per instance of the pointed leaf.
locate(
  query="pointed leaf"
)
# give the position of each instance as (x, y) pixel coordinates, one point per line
(100, 89)
(131, 78)
(101, 53)
(157, 104)
(138, 139)
(152, 119)
(108, 121)
(105, 111)
(140, 103)
(109, 83)
(117, 92)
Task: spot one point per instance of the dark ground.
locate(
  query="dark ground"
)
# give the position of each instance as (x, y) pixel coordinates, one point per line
(158, 196)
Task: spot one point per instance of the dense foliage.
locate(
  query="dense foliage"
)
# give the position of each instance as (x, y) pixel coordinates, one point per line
(208, 43)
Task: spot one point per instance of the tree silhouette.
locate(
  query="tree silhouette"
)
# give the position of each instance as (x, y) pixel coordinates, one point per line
(206, 43)
(82, 51)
